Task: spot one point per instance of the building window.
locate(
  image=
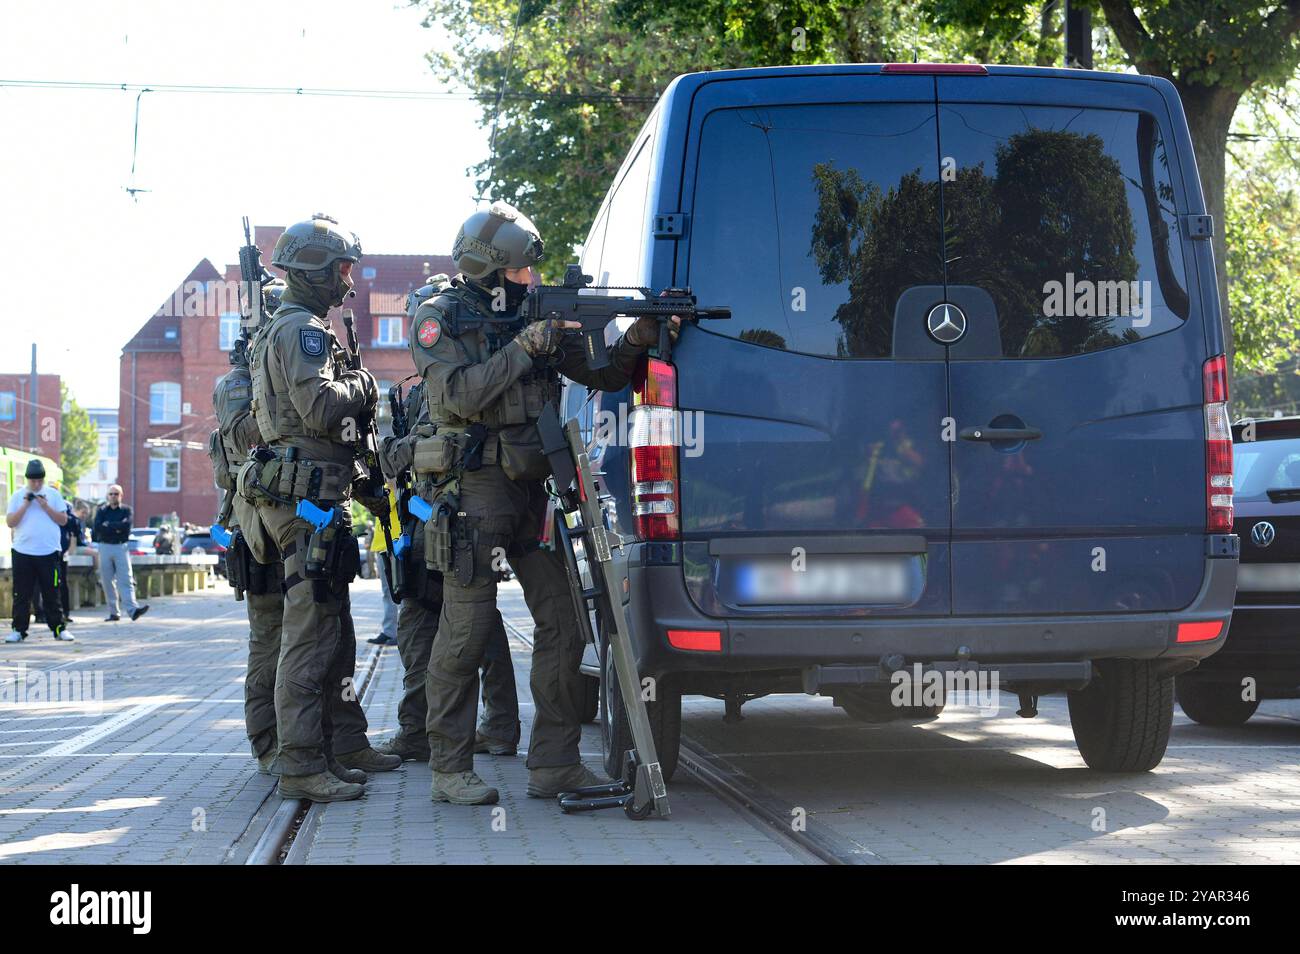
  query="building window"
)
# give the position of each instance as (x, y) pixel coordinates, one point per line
(164, 402)
(165, 469)
(8, 405)
(229, 329)
(108, 446)
(367, 271)
(390, 331)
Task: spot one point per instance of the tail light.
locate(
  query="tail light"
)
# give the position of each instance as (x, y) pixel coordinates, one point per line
(652, 430)
(1218, 446)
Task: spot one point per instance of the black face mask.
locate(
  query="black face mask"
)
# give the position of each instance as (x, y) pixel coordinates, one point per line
(515, 293)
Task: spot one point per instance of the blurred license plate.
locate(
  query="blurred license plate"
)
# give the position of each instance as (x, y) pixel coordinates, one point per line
(824, 579)
(1268, 577)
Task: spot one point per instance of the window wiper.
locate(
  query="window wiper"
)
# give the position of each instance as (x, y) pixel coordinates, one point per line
(1280, 494)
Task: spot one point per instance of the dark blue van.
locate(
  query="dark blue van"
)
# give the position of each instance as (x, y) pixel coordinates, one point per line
(969, 414)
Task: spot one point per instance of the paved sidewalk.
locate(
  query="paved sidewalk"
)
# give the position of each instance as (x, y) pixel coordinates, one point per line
(398, 823)
(159, 770)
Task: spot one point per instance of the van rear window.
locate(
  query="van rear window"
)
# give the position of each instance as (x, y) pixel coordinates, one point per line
(1066, 217)
(810, 221)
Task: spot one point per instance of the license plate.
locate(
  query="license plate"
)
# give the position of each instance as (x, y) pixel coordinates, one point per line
(835, 579)
(1268, 578)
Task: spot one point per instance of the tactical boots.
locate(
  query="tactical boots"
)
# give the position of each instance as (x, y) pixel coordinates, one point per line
(406, 749)
(369, 760)
(266, 764)
(486, 744)
(463, 788)
(345, 774)
(549, 782)
(321, 787)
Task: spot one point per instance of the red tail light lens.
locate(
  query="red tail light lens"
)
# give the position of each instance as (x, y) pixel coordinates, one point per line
(696, 640)
(653, 439)
(1198, 632)
(1218, 446)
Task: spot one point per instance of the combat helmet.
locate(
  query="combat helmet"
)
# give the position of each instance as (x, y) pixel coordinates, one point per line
(315, 244)
(501, 237)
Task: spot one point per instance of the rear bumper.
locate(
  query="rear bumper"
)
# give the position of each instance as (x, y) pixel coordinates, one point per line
(658, 601)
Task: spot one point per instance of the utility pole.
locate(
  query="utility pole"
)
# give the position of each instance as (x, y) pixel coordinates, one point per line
(1078, 36)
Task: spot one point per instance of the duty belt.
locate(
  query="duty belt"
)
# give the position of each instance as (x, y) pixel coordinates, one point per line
(312, 480)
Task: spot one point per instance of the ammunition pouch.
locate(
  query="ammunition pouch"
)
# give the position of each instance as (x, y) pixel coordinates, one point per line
(437, 536)
(520, 454)
(435, 454)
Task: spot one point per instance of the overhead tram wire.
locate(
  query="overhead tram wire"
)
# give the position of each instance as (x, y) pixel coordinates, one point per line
(392, 94)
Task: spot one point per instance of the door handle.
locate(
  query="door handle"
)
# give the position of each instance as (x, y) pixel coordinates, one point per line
(989, 434)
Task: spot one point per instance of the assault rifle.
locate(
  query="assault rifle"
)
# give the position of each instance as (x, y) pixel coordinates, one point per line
(571, 301)
(376, 485)
(253, 275)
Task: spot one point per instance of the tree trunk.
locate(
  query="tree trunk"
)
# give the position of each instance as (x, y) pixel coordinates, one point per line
(1209, 116)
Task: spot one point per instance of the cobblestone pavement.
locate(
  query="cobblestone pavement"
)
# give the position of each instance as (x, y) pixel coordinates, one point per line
(972, 789)
(152, 767)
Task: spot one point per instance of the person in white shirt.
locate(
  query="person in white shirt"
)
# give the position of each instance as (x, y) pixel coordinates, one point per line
(35, 515)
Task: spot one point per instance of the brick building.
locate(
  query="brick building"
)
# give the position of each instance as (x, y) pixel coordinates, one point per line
(170, 365)
(16, 424)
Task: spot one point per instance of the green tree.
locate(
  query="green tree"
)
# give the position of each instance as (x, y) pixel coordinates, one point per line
(79, 450)
(578, 85)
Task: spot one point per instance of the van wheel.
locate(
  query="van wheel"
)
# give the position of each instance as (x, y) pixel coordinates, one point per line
(590, 698)
(1213, 703)
(875, 707)
(616, 734)
(1121, 720)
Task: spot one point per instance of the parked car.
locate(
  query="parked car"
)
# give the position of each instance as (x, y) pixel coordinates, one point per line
(974, 380)
(141, 541)
(1261, 658)
(200, 541)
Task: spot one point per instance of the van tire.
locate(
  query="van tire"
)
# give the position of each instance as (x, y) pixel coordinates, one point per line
(1121, 719)
(590, 698)
(616, 734)
(1213, 703)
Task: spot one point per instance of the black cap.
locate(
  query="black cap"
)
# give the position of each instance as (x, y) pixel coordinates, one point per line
(35, 469)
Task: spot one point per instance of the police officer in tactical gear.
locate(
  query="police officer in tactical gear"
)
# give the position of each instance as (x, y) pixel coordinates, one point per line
(309, 407)
(228, 446)
(417, 621)
(485, 385)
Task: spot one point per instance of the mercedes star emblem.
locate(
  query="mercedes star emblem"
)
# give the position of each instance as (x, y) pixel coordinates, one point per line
(946, 323)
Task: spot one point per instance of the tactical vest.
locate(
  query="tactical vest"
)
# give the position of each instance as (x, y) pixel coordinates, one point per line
(523, 400)
(276, 416)
(512, 439)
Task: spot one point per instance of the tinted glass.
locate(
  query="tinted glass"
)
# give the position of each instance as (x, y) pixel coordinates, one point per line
(1066, 217)
(811, 220)
(1260, 466)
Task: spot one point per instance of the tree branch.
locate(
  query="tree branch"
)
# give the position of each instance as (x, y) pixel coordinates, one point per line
(1133, 37)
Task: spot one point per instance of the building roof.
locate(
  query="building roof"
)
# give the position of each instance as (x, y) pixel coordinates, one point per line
(162, 331)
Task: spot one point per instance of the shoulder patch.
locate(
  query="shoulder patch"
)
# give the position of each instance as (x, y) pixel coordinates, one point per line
(428, 332)
(312, 341)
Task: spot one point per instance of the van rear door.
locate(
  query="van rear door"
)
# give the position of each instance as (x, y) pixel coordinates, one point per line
(1078, 476)
(814, 211)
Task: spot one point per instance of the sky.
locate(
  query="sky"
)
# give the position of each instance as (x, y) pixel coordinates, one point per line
(86, 264)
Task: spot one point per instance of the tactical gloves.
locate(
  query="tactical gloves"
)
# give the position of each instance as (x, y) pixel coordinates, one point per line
(644, 332)
(541, 338)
